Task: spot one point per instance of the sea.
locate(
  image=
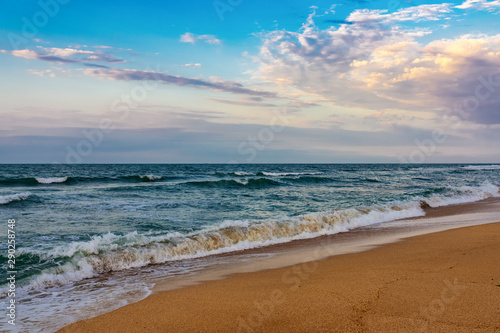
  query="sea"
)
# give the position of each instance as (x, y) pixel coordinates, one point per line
(92, 238)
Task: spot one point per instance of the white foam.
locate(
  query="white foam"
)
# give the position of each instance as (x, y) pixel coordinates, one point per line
(5, 199)
(61, 306)
(463, 194)
(282, 174)
(51, 180)
(243, 173)
(428, 169)
(482, 167)
(152, 177)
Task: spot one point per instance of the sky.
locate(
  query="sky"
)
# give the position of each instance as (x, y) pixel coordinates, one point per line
(239, 81)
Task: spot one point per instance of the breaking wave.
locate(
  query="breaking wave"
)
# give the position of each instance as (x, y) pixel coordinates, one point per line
(482, 167)
(34, 181)
(251, 183)
(5, 199)
(463, 194)
(266, 174)
(51, 180)
(146, 178)
(234, 174)
(311, 179)
(111, 252)
(284, 174)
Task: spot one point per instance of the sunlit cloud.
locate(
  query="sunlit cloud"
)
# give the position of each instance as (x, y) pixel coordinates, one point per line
(376, 66)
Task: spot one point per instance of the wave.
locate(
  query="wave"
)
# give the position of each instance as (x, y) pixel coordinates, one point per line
(5, 199)
(242, 173)
(252, 183)
(111, 252)
(234, 174)
(461, 195)
(146, 178)
(482, 167)
(51, 180)
(315, 179)
(371, 180)
(310, 179)
(284, 174)
(266, 174)
(433, 169)
(19, 182)
(34, 181)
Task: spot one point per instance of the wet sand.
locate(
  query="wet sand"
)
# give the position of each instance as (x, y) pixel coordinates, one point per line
(447, 281)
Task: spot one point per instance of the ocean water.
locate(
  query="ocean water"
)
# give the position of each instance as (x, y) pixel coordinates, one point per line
(91, 238)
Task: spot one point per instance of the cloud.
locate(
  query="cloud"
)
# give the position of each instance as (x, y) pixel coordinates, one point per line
(480, 5)
(66, 52)
(377, 66)
(140, 75)
(417, 13)
(156, 133)
(300, 104)
(243, 103)
(59, 72)
(64, 55)
(193, 65)
(192, 38)
(198, 140)
(46, 72)
(31, 54)
(95, 65)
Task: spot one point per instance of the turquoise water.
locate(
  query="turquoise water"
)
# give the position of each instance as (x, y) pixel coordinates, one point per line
(77, 224)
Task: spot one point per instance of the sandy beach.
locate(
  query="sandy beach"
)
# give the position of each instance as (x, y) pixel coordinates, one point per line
(447, 281)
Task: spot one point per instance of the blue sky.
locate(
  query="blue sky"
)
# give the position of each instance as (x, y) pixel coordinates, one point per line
(234, 81)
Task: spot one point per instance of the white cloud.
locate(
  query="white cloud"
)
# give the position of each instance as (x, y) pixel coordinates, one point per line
(46, 72)
(480, 5)
(54, 72)
(65, 55)
(192, 38)
(193, 65)
(28, 54)
(63, 52)
(416, 13)
(331, 10)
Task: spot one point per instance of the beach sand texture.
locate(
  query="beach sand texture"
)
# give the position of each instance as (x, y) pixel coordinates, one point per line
(442, 282)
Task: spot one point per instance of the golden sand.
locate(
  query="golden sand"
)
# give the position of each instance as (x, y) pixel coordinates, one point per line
(443, 282)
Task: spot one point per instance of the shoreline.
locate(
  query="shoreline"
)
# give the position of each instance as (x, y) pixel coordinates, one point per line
(216, 280)
(353, 241)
